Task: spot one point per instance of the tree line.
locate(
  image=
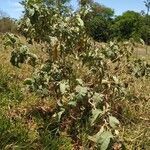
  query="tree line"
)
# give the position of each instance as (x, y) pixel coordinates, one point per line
(100, 22)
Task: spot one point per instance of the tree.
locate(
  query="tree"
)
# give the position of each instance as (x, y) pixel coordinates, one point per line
(98, 22)
(147, 4)
(83, 3)
(128, 25)
(145, 31)
(36, 21)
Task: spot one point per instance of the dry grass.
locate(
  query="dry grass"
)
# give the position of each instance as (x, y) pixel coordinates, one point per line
(135, 129)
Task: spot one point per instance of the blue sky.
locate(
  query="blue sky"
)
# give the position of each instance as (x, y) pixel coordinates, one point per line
(14, 9)
(11, 7)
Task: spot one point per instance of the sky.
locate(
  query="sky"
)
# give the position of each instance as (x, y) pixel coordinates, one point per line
(14, 9)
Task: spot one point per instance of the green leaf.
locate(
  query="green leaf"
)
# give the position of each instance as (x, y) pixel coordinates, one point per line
(36, 7)
(72, 103)
(95, 114)
(28, 81)
(28, 23)
(114, 122)
(31, 12)
(105, 140)
(80, 81)
(97, 98)
(102, 139)
(81, 90)
(63, 87)
(81, 23)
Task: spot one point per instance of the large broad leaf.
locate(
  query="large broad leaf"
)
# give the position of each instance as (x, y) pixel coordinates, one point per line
(105, 140)
(102, 139)
(114, 122)
(95, 114)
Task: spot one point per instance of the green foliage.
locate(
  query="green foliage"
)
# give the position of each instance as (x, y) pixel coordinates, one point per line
(98, 22)
(145, 30)
(11, 135)
(103, 139)
(39, 17)
(4, 78)
(128, 25)
(102, 25)
(99, 28)
(55, 143)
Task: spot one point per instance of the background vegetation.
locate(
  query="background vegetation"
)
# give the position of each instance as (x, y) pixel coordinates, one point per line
(101, 22)
(7, 24)
(103, 26)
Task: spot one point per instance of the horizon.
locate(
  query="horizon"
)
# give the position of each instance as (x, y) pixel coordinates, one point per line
(14, 9)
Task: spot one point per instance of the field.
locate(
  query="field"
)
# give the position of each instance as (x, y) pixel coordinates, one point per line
(23, 114)
(75, 79)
